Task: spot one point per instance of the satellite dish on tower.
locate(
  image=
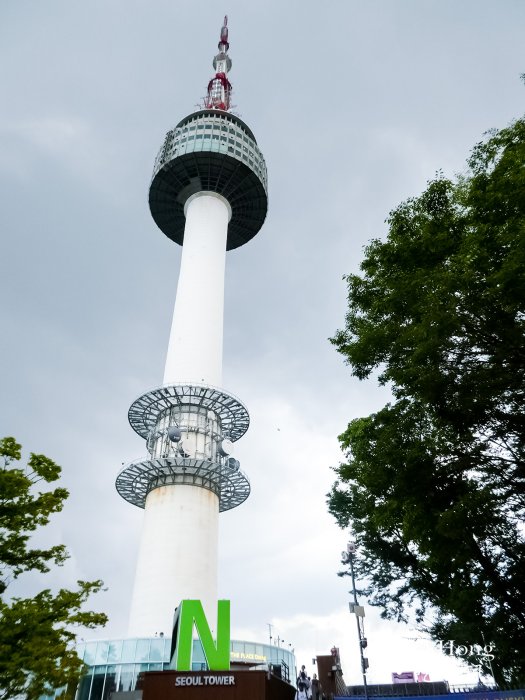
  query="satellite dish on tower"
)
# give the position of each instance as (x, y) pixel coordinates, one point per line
(233, 464)
(174, 433)
(188, 446)
(225, 447)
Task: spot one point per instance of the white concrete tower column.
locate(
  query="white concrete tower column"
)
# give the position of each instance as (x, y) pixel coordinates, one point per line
(196, 338)
(178, 548)
(177, 557)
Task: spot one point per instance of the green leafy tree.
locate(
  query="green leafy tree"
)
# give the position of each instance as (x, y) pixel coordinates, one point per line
(37, 644)
(433, 484)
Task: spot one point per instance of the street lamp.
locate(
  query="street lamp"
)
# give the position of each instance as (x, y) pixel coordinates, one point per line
(357, 610)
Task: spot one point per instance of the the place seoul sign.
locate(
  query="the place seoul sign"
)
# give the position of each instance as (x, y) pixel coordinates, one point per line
(190, 614)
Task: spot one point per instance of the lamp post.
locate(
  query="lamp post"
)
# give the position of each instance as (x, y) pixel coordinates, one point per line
(357, 610)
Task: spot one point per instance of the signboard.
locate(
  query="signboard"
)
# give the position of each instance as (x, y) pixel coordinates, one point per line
(215, 685)
(190, 614)
(204, 679)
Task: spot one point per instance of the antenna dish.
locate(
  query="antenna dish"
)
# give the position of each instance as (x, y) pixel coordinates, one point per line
(233, 464)
(225, 447)
(188, 446)
(174, 433)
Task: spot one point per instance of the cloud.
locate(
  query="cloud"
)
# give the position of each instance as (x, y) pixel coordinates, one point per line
(61, 142)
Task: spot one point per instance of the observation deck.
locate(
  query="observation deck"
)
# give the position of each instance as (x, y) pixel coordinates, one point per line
(210, 151)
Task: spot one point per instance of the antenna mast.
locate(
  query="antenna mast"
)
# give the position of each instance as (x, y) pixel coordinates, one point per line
(219, 87)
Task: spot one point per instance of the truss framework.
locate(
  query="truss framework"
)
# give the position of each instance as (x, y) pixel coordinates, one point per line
(138, 478)
(232, 413)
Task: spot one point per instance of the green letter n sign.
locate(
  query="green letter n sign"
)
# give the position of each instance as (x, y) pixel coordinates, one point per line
(189, 613)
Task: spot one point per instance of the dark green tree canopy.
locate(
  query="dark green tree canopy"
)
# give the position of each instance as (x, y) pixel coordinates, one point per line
(37, 644)
(434, 483)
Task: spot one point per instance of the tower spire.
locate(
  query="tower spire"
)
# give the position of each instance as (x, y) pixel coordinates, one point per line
(219, 88)
(223, 41)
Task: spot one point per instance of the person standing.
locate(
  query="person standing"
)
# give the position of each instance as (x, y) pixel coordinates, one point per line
(315, 688)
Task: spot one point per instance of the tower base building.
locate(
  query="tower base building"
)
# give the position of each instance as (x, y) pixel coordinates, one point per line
(116, 665)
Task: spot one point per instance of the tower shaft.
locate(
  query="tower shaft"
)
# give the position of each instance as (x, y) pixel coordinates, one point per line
(177, 557)
(196, 338)
(178, 548)
(209, 194)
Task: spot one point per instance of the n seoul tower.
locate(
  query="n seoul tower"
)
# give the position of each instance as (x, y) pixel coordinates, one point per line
(209, 194)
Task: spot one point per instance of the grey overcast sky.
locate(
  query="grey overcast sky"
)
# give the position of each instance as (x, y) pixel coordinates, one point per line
(355, 105)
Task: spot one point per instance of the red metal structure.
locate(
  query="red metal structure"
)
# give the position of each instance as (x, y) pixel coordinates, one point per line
(219, 87)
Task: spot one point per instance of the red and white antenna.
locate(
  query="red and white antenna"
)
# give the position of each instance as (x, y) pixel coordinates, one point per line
(219, 87)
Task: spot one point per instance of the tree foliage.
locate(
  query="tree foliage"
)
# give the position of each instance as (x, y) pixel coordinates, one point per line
(434, 483)
(37, 644)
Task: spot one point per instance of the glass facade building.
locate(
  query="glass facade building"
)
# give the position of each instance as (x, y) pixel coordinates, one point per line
(115, 664)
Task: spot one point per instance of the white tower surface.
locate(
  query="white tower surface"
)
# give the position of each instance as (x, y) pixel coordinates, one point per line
(209, 194)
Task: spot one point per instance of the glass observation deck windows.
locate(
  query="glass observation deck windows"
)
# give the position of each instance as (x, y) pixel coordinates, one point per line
(213, 133)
